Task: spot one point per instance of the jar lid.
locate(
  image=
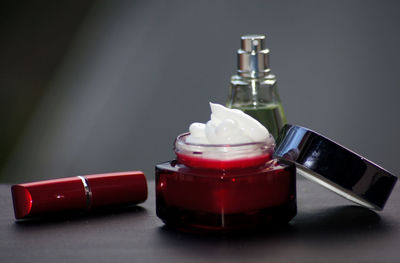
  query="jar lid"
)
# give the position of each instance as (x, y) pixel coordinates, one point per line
(335, 167)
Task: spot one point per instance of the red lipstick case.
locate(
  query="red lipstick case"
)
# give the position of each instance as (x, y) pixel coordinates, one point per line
(78, 193)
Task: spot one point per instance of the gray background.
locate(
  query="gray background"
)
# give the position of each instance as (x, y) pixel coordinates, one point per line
(103, 86)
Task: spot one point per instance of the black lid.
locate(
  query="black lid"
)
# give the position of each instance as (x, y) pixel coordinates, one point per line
(335, 167)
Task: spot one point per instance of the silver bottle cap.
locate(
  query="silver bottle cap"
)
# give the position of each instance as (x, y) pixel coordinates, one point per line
(253, 57)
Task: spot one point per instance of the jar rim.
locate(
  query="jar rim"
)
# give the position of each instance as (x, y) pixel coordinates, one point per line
(181, 139)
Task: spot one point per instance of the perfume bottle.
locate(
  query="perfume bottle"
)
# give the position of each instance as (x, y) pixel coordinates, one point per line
(253, 89)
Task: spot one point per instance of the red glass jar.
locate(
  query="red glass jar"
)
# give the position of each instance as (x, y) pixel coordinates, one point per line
(224, 187)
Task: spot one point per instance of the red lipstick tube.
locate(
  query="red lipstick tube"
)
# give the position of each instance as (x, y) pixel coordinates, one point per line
(78, 193)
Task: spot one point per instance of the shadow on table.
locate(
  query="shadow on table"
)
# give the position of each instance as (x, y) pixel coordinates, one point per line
(322, 234)
(94, 215)
(338, 222)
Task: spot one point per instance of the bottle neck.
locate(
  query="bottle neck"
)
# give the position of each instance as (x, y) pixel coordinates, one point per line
(254, 74)
(253, 77)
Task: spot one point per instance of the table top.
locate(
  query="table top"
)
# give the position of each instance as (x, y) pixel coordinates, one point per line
(327, 228)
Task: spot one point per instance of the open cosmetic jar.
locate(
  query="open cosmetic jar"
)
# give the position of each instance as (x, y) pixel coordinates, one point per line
(224, 187)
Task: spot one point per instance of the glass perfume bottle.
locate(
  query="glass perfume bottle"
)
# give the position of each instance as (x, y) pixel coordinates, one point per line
(253, 89)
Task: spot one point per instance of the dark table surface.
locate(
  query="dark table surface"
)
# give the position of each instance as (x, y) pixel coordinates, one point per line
(327, 228)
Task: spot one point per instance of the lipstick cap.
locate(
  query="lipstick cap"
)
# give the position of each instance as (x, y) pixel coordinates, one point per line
(335, 167)
(78, 193)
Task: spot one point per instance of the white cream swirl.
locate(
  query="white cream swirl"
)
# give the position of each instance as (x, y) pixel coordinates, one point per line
(228, 126)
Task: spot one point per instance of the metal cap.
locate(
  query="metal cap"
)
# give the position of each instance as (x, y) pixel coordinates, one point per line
(253, 57)
(335, 167)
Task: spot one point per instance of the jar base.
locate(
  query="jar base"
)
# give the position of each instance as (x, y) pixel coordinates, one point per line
(197, 221)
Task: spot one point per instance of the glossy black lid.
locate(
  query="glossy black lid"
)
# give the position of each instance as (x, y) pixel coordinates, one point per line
(335, 167)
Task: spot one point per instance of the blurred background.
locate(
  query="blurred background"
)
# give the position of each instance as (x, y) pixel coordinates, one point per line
(99, 86)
